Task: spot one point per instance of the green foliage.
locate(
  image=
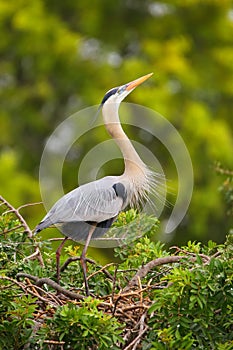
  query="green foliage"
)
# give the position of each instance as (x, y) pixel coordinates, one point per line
(131, 225)
(57, 57)
(196, 310)
(185, 305)
(17, 319)
(189, 303)
(226, 187)
(82, 327)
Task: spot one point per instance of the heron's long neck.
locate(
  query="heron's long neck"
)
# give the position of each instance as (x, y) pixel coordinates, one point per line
(133, 163)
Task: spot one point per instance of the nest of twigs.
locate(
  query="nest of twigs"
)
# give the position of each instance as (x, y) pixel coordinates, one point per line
(128, 304)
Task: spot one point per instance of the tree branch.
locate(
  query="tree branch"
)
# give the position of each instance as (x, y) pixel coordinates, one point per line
(18, 215)
(143, 271)
(41, 281)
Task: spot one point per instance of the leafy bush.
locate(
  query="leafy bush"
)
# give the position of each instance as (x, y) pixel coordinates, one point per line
(196, 310)
(82, 327)
(153, 298)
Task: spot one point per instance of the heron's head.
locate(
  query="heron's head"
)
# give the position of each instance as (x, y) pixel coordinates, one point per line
(116, 95)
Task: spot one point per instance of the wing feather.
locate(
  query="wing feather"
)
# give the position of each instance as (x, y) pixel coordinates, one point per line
(96, 201)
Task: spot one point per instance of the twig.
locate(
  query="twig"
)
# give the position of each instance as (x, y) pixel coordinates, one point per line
(13, 281)
(120, 311)
(203, 256)
(75, 258)
(26, 275)
(133, 307)
(36, 255)
(35, 294)
(215, 255)
(35, 291)
(18, 215)
(54, 342)
(91, 261)
(142, 329)
(114, 286)
(142, 272)
(58, 288)
(41, 281)
(219, 169)
(55, 239)
(28, 205)
(13, 229)
(101, 270)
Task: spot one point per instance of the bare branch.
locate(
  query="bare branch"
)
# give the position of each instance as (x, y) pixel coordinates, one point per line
(41, 281)
(18, 215)
(149, 266)
(180, 250)
(91, 261)
(36, 255)
(142, 329)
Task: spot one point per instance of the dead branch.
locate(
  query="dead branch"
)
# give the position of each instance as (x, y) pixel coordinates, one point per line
(36, 255)
(180, 250)
(20, 285)
(41, 281)
(102, 270)
(142, 329)
(18, 215)
(91, 261)
(143, 271)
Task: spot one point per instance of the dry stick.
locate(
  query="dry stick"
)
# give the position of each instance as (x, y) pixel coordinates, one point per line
(216, 254)
(113, 287)
(36, 255)
(120, 312)
(18, 215)
(54, 342)
(13, 281)
(28, 205)
(218, 168)
(203, 256)
(142, 272)
(23, 223)
(32, 286)
(142, 329)
(23, 287)
(55, 239)
(58, 288)
(35, 291)
(41, 281)
(13, 229)
(101, 270)
(75, 258)
(140, 288)
(28, 290)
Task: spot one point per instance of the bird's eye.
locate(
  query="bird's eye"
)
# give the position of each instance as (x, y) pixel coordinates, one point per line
(121, 89)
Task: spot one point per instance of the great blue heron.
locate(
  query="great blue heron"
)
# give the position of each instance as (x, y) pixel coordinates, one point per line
(88, 211)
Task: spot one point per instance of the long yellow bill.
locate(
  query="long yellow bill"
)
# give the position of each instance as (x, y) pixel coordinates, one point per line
(138, 81)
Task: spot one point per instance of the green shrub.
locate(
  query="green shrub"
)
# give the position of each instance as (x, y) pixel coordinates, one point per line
(81, 327)
(154, 298)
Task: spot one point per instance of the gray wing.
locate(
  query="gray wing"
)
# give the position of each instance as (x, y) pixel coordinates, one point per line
(78, 230)
(97, 201)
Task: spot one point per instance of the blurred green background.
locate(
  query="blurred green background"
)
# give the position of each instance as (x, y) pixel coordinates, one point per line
(57, 57)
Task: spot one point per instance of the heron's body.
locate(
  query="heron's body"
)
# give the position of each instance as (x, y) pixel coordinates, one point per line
(95, 202)
(89, 210)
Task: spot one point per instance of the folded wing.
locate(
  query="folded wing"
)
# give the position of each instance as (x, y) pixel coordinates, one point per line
(96, 202)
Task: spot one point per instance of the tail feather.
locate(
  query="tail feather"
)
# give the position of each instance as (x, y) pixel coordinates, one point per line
(42, 225)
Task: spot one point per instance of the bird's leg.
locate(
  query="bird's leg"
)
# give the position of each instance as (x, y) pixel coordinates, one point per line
(83, 257)
(58, 255)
